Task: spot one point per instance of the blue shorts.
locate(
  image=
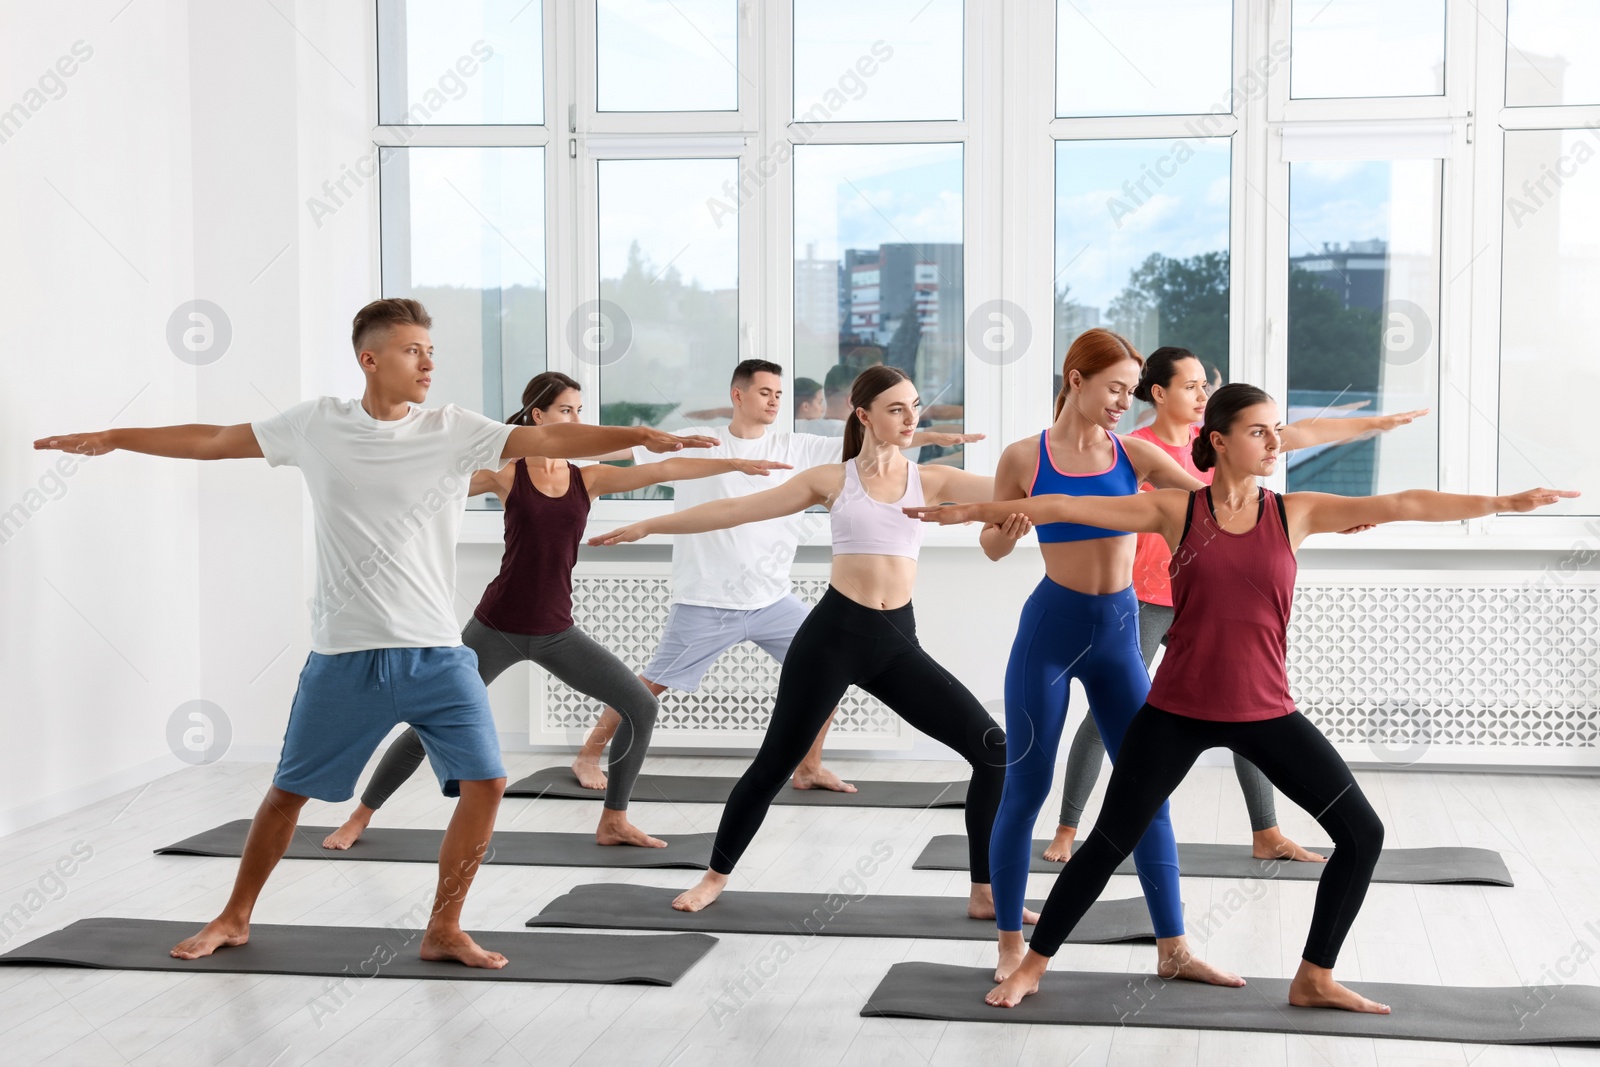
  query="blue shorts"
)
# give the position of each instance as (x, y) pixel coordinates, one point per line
(695, 635)
(347, 704)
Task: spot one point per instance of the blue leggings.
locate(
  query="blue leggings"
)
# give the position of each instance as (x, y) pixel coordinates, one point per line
(1065, 635)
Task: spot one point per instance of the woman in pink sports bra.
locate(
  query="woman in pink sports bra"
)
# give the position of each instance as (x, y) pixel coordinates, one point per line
(862, 632)
(1175, 383)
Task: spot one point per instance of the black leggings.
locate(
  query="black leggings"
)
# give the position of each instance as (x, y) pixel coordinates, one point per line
(840, 644)
(1157, 753)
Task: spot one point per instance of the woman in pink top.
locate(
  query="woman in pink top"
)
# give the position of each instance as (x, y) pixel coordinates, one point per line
(1174, 382)
(1224, 683)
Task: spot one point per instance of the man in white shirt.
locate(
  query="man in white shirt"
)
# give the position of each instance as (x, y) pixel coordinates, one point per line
(733, 585)
(387, 480)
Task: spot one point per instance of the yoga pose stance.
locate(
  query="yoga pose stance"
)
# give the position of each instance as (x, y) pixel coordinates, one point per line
(387, 480)
(862, 632)
(526, 612)
(732, 585)
(1175, 383)
(1224, 681)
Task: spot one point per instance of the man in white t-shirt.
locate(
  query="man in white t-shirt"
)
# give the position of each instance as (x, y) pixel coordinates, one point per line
(387, 480)
(730, 586)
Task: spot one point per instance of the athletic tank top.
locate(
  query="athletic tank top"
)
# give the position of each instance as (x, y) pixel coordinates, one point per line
(864, 526)
(1152, 559)
(1226, 655)
(532, 594)
(1118, 479)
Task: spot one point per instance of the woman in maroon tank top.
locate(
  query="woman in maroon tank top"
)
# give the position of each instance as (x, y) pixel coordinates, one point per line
(1224, 682)
(526, 612)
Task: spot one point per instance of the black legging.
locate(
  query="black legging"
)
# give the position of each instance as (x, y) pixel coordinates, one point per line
(1157, 753)
(840, 644)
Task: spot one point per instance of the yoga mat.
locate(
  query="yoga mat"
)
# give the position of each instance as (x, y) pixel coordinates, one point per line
(515, 847)
(559, 783)
(1409, 866)
(374, 951)
(1489, 1015)
(614, 906)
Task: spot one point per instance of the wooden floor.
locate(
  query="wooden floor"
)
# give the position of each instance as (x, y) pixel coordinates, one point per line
(1547, 827)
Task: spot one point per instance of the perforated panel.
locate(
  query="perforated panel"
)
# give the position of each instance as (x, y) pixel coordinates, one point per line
(1409, 666)
(627, 613)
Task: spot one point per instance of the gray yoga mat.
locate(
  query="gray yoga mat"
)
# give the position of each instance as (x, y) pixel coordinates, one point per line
(390, 844)
(558, 782)
(1489, 1015)
(614, 906)
(1409, 866)
(372, 951)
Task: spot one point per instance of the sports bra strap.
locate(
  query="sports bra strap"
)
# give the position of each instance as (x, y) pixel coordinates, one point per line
(1188, 517)
(1283, 516)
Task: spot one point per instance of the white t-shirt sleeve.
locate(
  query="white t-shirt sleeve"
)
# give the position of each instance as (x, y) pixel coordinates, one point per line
(815, 450)
(642, 454)
(480, 440)
(282, 437)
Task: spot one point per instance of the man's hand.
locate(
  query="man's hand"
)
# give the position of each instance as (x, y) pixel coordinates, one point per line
(84, 444)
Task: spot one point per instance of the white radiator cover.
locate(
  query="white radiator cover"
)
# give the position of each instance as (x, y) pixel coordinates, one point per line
(1402, 668)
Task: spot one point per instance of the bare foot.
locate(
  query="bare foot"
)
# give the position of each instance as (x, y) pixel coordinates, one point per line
(821, 778)
(218, 933)
(587, 770)
(1060, 850)
(1272, 845)
(1174, 960)
(709, 889)
(615, 829)
(1012, 951)
(456, 945)
(980, 905)
(346, 835)
(1024, 981)
(1314, 987)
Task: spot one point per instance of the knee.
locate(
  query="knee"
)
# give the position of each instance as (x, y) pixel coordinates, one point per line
(484, 790)
(991, 752)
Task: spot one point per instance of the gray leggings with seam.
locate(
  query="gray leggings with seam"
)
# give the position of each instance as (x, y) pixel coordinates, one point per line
(1087, 753)
(575, 658)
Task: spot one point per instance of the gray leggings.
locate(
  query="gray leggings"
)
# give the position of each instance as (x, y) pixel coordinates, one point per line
(575, 658)
(1088, 753)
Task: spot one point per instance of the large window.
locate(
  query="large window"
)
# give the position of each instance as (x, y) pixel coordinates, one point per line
(1365, 206)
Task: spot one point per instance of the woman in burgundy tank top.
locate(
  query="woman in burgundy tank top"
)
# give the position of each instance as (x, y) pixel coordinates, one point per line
(1224, 682)
(526, 612)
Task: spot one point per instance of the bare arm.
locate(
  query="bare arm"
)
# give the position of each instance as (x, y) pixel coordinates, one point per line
(1319, 431)
(600, 479)
(1310, 513)
(934, 436)
(496, 482)
(1156, 512)
(571, 440)
(816, 485)
(953, 483)
(1010, 483)
(1155, 466)
(192, 441)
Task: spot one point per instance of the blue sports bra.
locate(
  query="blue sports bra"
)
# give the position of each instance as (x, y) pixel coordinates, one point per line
(1119, 479)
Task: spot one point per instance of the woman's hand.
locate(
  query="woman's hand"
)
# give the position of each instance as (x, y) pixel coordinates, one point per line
(943, 514)
(1535, 498)
(622, 535)
(84, 444)
(1405, 418)
(661, 441)
(947, 440)
(1014, 528)
(759, 466)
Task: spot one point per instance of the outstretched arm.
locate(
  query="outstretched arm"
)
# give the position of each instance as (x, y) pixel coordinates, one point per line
(1310, 513)
(1156, 467)
(934, 436)
(1319, 431)
(600, 479)
(192, 441)
(813, 486)
(1157, 512)
(953, 483)
(572, 440)
(1011, 479)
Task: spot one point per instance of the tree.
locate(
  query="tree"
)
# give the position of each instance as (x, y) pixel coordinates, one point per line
(1332, 348)
(1181, 302)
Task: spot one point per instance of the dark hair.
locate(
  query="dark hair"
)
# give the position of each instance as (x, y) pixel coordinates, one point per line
(749, 368)
(1212, 371)
(1221, 411)
(837, 381)
(541, 391)
(1160, 367)
(806, 387)
(868, 385)
(1091, 352)
(382, 314)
